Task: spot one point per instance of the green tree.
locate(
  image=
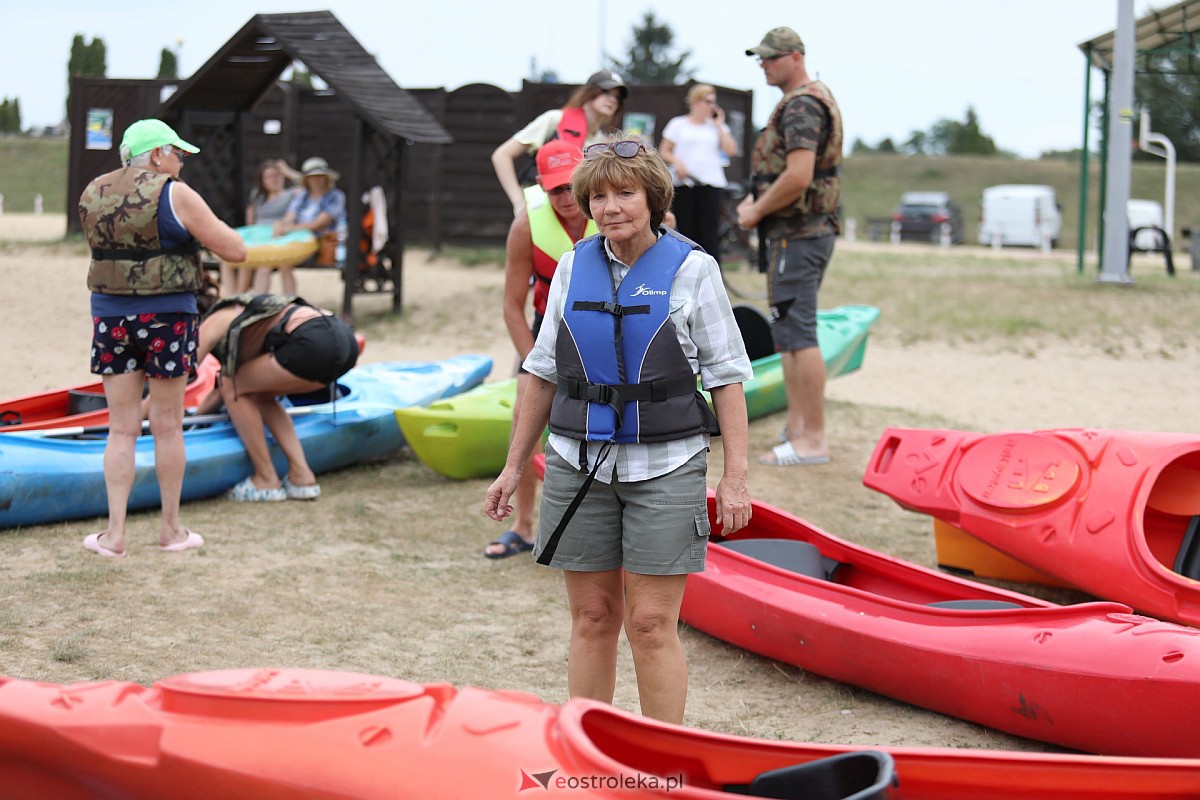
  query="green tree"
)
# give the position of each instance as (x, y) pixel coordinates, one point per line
(950, 137)
(168, 66)
(916, 143)
(886, 145)
(1166, 85)
(859, 146)
(650, 58)
(6, 116)
(87, 60)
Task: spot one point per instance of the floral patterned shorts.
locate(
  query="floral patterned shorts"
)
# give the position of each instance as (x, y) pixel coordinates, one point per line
(161, 345)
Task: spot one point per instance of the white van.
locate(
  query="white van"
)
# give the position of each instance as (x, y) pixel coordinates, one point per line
(1020, 214)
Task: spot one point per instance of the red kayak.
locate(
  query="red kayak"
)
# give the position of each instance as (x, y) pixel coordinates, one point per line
(85, 405)
(274, 734)
(1094, 677)
(1114, 513)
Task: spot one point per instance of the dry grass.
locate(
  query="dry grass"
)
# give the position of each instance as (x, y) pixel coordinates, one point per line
(384, 574)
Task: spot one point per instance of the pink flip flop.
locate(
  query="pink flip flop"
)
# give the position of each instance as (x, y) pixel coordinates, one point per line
(91, 542)
(192, 541)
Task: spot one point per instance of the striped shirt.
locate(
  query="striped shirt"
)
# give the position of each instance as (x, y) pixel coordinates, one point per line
(710, 338)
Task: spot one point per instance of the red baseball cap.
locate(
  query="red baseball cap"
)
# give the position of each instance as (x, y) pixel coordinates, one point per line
(556, 161)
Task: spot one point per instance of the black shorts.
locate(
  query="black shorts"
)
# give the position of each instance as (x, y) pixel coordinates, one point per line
(321, 349)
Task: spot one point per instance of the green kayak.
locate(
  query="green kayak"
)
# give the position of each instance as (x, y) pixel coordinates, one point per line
(466, 436)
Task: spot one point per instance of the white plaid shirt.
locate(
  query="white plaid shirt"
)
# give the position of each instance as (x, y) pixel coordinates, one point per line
(710, 338)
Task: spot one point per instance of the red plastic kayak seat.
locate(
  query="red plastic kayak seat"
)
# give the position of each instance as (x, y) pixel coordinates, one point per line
(799, 557)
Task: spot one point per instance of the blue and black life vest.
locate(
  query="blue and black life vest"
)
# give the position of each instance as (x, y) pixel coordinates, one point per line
(622, 374)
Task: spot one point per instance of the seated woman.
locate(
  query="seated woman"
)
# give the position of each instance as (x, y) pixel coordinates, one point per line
(320, 208)
(269, 202)
(272, 345)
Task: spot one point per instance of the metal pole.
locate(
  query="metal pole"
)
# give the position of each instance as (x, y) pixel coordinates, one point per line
(1115, 264)
(1081, 233)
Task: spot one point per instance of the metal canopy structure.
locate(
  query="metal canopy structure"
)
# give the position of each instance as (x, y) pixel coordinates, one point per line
(1167, 31)
(364, 120)
(1158, 32)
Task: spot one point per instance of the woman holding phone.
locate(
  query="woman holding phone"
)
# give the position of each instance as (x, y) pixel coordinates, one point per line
(695, 146)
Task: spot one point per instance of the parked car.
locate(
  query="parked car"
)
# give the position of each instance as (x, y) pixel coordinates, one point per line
(1020, 214)
(1145, 216)
(922, 216)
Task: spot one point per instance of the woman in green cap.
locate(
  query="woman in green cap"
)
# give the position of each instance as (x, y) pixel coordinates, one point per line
(145, 228)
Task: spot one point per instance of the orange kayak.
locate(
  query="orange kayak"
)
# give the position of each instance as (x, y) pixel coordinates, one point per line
(272, 734)
(85, 405)
(1114, 513)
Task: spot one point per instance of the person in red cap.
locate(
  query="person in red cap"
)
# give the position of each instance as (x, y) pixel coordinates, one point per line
(549, 225)
(584, 120)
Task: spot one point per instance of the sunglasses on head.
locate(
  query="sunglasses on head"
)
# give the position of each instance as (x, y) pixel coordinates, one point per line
(625, 149)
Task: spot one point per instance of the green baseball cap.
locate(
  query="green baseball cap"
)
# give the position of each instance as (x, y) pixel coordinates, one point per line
(147, 134)
(776, 42)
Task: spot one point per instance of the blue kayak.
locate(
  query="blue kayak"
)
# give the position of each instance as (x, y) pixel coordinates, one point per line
(49, 475)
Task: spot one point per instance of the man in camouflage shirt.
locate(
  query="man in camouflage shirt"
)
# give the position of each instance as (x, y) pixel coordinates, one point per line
(795, 207)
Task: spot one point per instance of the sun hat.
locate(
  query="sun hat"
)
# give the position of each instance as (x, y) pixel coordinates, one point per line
(318, 166)
(777, 42)
(607, 79)
(556, 161)
(147, 134)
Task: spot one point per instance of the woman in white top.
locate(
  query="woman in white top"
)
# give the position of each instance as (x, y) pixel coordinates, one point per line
(695, 146)
(584, 120)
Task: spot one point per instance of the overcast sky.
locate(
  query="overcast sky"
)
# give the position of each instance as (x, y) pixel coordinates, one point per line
(894, 67)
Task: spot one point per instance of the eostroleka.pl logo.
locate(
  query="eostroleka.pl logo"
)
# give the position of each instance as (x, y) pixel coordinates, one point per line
(620, 781)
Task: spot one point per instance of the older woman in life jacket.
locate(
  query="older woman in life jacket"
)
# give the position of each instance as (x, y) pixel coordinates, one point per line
(145, 227)
(271, 345)
(634, 315)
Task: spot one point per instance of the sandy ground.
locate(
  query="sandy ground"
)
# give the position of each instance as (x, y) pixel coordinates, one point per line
(45, 329)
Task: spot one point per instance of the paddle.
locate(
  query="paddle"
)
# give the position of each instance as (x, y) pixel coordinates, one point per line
(196, 419)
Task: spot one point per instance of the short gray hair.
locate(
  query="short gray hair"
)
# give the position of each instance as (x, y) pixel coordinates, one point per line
(140, 160)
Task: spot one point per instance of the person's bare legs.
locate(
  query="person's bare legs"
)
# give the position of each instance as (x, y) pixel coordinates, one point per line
(250, 400)
(170, 457)
(123, 394)
(652, 605)
(597, 604)
(525, 496)
(804, 385)
(287, 280)
(281, 427)
(262, 280)
(245, 279)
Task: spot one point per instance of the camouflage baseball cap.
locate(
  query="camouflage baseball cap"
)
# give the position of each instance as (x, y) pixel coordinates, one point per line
(776, 42)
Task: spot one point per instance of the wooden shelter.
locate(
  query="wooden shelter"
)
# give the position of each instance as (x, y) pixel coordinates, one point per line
(362, 125)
